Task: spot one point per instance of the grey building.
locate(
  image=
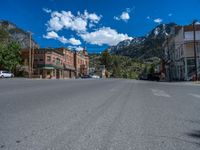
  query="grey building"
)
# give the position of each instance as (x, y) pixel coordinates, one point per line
(179, 53)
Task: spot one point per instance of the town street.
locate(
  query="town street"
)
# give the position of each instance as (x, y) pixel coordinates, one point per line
(90, 114)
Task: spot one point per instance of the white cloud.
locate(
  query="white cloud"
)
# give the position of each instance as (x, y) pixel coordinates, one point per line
(66, 20)
(197, 23)
(51, 35)
(104, 35)
(62, 39)
(158, 20)
(124, 15)
(148, 17)
(74, 41)
(54, 24)
(79, 24)
(92, 17)
(116, 18)
(47, 10)
(77, 48)
(91, 25)
(170, 14)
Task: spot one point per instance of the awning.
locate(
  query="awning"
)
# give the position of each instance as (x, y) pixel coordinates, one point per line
(48, 67)
(69, 68)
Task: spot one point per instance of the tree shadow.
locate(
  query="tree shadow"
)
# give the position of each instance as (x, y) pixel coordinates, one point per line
(194, 134)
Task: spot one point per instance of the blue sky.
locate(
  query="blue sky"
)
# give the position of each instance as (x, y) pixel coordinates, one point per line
(95, 24)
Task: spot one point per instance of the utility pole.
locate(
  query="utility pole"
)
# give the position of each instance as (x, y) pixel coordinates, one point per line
(32, 58)
(30, 53)
(195, 53)
(168, 59)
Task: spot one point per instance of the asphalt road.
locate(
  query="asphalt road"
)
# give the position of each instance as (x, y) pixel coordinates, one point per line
(98, 115)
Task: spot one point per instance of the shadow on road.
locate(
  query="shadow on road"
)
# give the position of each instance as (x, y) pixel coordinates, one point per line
(194, 134)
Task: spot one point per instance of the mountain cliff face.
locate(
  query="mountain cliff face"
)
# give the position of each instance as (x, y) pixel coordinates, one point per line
(17, 34)
(144, 47)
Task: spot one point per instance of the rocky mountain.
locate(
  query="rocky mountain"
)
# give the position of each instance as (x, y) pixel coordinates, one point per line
(17, 34)
(144, 47)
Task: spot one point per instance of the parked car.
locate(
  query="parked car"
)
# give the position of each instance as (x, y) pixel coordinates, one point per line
(143, 77)
(6, 74)
(154, 77)
(86, 77)
(95, 76)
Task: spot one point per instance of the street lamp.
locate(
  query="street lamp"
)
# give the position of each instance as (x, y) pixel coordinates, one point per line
(195, 53)
(168, 57)
(29, 60)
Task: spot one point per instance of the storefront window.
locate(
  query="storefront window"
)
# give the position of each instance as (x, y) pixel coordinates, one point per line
(48, 72)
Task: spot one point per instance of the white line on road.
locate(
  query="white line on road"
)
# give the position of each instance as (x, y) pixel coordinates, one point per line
(194, 95)
(158, 92)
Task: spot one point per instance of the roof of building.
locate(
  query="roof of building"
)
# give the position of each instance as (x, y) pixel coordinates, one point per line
(188, 28)
(50, 50)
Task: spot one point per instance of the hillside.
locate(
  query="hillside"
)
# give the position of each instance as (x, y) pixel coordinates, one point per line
(11, 32)
(144, 47)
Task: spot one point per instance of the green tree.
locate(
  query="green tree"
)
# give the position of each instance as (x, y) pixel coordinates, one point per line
(4, 35)
(122, 66)
(9, 55)
(116, 72)
(106, 59)
(145, 70)
(116, 67)
(152, 69)
(2, 51)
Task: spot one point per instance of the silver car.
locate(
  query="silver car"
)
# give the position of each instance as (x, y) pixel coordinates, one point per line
(6, 74)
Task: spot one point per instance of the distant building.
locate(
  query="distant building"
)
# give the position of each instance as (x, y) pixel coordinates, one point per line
(47, 63)
(81, 62)
(68, 63)
(56, 63)
(179, 52)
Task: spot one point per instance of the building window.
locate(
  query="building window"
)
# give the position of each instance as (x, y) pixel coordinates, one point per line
(48, 58)
(41, 59)
(198, 49)
(54, 59)
(58, 61)
(190, 62)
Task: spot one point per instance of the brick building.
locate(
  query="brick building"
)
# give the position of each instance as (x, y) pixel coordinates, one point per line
(56, 63)
(47, 63)
(68, 63)
(81, 63)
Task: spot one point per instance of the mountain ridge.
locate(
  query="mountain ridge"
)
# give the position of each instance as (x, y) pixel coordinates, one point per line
(147, 46)
(17, 34)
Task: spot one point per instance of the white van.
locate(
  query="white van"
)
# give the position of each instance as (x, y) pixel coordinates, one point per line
(6, 74)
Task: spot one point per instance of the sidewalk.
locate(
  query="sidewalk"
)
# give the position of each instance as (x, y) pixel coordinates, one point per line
(193, 83)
